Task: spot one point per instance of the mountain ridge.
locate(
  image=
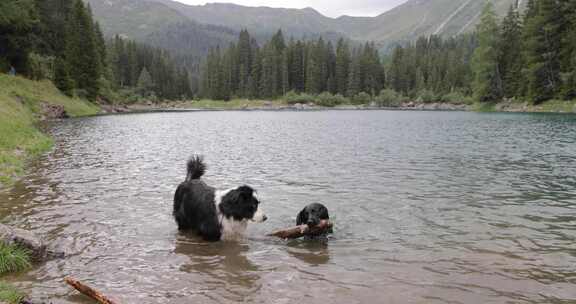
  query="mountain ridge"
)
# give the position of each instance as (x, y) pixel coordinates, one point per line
(399, 25)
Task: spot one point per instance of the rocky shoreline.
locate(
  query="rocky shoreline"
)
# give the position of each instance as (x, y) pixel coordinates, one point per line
(174, 107)
(509, 107)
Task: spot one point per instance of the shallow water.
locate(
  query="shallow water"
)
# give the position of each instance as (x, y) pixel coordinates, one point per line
(429, 207)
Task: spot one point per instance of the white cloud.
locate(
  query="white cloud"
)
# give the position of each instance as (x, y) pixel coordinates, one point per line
(332, 8)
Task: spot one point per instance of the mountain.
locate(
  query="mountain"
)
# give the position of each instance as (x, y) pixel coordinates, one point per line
(190, 38)
(257, 20)
(422, 18)
(141, 18)
(161, 26)
(133, 18)
(411, 19)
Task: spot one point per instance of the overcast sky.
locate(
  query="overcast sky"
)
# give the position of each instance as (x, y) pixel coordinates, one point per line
(332, 8)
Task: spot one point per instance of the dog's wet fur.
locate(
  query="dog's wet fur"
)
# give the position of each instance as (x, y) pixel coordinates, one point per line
(212, 214)
(312, 214)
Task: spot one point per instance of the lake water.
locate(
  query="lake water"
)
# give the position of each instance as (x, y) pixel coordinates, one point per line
(429, 207)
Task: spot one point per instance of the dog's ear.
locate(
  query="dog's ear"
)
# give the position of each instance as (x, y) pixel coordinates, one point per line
(302, 217)
(324, 213)
(245, 191)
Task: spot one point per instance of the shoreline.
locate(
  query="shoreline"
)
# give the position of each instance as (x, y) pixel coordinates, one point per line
(503, 107)
(24, 104)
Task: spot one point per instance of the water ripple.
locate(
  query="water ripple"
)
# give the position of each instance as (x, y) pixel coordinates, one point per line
(429, 207)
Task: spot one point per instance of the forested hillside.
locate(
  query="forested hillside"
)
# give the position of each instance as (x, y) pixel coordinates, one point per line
(527, 56)
(59, 40)
(247, 70)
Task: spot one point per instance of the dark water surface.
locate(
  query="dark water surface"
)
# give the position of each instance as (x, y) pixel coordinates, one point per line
(430, 207)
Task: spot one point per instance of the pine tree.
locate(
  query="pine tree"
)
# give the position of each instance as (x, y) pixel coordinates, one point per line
(569, 51)
(487, 80)
(62, 78)
(313, 69)
(342, 67)
(254, 80)
(354, 77)
(278, 42)
(18, 20)
(269, 72)
(420, 82)
(510, 58)
(298, 67)
(330, 67)
(101, 48)
(244, 62)
(228, 66)
(278, 45)
(145, 84)
(543, 32)
(285, 68)
(373, 73)
(82, 52)
(398, 77)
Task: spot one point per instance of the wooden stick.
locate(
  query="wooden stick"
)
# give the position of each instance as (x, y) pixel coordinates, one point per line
(88, 291)
(302, 230)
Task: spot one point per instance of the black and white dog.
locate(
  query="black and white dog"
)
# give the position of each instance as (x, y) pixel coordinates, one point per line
(214, 215)
(312, 214)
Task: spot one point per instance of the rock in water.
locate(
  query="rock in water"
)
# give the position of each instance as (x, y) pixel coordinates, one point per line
(26, 240)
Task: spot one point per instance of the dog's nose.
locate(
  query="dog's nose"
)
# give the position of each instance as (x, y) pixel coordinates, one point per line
(264, 218)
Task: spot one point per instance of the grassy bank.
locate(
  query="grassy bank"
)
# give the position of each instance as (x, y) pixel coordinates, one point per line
(21, 103)
(12, 259)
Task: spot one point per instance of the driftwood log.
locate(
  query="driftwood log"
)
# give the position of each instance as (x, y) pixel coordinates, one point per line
(88, 291)
(302, 230)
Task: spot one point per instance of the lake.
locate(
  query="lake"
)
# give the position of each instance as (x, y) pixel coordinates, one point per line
(429, 207)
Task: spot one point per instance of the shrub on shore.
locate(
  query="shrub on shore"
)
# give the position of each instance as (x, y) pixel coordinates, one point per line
(325, 99)
(328, 100)
(293, 98)
(362, 98)
(389, 98)
(457, 98)
(13, 259)
(10, 294)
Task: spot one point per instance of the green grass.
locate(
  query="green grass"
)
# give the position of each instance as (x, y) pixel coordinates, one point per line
(13, 259)
(10, 294)
(228, 105)
(20, 106)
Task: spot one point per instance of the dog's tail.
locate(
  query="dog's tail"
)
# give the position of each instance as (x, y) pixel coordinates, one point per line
(196, 167)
